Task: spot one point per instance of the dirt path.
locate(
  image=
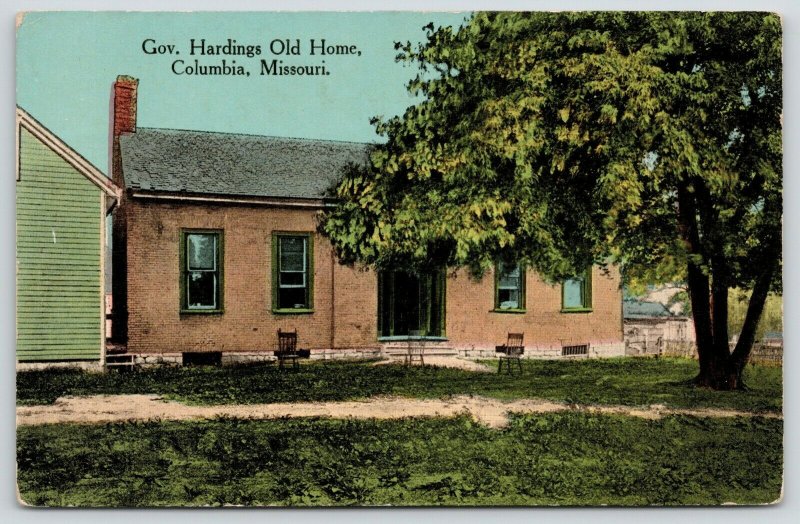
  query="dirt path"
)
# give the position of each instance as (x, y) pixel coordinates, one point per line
(492, 412)
(445, 362)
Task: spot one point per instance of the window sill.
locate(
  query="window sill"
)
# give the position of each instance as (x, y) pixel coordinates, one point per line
(298, 311)
(202, 311)
(517, 311)
(577, 310)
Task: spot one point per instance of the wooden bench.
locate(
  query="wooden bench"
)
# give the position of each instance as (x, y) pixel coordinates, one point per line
(122, 362)
(511, 351)
(117, 357)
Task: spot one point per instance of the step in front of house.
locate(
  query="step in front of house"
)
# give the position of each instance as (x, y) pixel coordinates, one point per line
(124, 360)
(399, 349)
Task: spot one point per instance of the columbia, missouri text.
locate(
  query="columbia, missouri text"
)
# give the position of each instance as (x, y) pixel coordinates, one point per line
(232, 57)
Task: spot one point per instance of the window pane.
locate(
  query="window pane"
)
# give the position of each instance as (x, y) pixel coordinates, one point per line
(508, 298)
(201, 251)
(292, 298)
(573, 293)
(509, 280)
(292, 250)
(293, 279)
(201, 290)
(509, 276)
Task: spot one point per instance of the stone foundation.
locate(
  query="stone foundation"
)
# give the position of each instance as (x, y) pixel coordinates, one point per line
(95, 366)
(344, 354)
(600, 350)
(233, 358)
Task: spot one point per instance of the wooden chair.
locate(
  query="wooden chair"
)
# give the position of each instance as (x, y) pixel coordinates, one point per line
(287, 349)
(511, 351)
(416, 348)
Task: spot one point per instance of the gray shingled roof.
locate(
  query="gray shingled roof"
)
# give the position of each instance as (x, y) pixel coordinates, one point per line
(171, 160)
(644, 309)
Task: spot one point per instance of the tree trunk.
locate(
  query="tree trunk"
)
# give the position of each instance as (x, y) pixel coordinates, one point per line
(716, 370)
(720, 369)
(699, 288)
(719, 373)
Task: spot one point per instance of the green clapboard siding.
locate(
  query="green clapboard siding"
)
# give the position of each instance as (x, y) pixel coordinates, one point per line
(58, 258)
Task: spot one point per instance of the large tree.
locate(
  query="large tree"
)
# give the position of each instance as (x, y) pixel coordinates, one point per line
(648, 140)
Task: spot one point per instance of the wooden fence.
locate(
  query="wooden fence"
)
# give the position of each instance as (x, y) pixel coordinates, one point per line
(762, 354)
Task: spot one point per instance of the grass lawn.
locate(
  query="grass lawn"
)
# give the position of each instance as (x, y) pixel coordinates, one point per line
(623, 381)
(565, 458)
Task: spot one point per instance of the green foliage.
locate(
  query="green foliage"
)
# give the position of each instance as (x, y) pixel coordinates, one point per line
(562, 138)
(651, 140)
(615, 381)
(682, 298)
(565, 458)
(771, 319)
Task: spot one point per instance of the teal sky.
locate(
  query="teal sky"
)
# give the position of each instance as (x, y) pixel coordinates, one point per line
(67, 62)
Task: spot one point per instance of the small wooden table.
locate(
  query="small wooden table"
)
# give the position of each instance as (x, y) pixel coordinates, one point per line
(416, 348)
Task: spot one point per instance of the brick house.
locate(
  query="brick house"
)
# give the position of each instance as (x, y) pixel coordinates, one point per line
(215, 249)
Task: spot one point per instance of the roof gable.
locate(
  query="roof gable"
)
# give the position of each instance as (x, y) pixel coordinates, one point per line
(72, 157)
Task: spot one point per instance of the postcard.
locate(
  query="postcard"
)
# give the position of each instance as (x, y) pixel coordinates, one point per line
(399, 258)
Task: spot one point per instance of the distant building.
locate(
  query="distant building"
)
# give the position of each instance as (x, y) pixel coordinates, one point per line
(649, 326)
(62, 203)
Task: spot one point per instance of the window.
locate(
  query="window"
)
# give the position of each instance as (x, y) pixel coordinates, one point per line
(509, 288)
(201, 271)
(293, 273)
(576, 293)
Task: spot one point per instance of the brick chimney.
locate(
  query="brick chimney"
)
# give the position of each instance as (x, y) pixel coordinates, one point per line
(125, 89)
(123, 120)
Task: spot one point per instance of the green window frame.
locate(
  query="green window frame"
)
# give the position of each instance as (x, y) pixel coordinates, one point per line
(201, 271)
(509, 288)
(576, 293)
(292, 275)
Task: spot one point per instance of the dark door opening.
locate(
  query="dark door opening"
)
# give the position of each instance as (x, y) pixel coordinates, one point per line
(411, 304)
